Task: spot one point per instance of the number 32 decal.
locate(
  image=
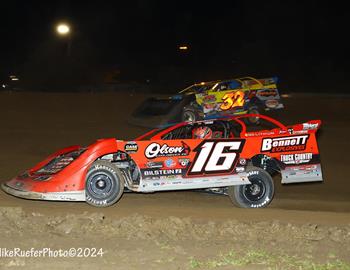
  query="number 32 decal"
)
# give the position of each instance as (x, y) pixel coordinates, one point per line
(231, 100)
(216, 157)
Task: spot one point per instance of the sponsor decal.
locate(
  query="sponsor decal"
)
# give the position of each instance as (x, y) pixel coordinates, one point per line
(284, 144)
(209, 106)
(267, 199)
(242, 161)
(131, 147)
(240, 169)
(296, 158)
(176, 182)
(252, 173)
(308, 126)
(154, 164)
(260, 133)
(282, 132)
(184, 161)
(169, 163)
(308, 168)
(300, 132)
(216, 157)
(209, 98)
(150, 173)
(303, 169)
(156, 150)
(271, 103)
(267, 92)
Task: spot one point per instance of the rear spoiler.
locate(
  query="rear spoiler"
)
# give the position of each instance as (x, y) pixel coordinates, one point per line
(249, 81)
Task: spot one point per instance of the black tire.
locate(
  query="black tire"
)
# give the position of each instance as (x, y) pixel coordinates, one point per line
(258, 194)
(189, 115)
(104, 184)
(253, 120)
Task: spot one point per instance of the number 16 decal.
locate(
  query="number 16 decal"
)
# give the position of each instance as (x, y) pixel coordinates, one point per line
(216, 157)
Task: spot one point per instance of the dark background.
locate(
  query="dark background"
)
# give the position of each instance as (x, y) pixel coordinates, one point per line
(304, 43)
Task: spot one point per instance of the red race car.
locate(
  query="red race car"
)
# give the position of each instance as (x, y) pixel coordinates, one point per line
(220, 155)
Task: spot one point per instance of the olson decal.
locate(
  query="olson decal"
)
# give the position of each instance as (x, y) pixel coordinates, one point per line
(157, 150)
(216, 157)
(284, 144)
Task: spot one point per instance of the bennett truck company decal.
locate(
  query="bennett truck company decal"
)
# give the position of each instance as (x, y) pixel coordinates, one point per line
(216, 157)
(131, 147)
(156, 150)
(296, 158)
(284, 144)
(159, 173)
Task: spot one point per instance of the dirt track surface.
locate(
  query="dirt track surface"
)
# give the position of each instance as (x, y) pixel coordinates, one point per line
(306, 223)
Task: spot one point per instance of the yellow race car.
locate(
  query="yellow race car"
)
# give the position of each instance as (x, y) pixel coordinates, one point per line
(230, 97)
(207, 100)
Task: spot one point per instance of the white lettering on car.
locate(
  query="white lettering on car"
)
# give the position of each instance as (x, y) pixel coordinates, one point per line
(216, 157)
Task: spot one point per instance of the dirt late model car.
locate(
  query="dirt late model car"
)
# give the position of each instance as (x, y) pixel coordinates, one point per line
(209, 100)
(219, 155)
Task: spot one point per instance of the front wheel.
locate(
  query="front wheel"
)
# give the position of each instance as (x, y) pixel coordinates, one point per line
(104, 184)
(259, 193)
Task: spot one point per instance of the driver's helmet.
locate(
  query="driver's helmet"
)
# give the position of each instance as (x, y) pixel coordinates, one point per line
(202, 133)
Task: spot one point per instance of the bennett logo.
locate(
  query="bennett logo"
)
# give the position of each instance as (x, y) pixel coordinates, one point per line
(156, 150)
(284, 144)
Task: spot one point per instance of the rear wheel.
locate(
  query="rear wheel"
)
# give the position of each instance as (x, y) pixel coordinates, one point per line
(189, 115)
(259, 193)
(253, 120)
(104, 184)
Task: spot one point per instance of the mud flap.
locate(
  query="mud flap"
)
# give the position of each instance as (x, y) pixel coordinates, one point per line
(301, 174)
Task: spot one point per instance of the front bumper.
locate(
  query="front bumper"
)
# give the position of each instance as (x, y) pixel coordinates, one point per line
(49, 196)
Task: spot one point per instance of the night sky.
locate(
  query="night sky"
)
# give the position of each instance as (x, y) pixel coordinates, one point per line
(301, 42)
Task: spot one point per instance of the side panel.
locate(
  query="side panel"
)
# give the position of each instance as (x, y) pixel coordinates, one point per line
(187, 164)
(302, 166)
(297, 154)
